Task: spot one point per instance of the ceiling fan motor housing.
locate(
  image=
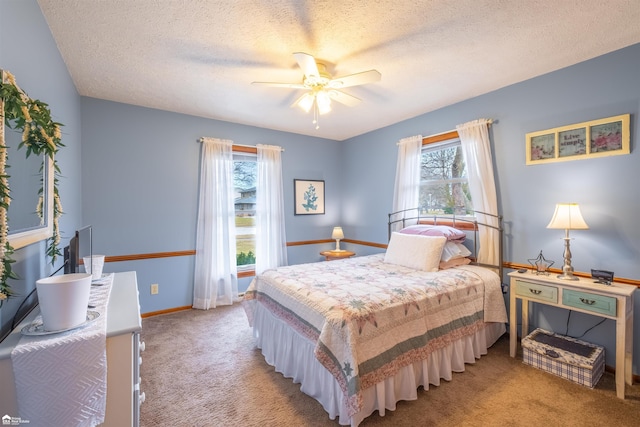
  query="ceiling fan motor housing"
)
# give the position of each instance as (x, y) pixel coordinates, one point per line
(318, 82)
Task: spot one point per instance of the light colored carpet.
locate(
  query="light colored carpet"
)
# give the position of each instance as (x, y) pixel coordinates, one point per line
(201, 368)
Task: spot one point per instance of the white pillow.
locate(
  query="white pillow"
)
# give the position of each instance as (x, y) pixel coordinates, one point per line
(415, 251)
(454, 250)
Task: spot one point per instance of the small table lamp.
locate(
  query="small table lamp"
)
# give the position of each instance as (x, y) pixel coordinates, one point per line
(337, 234)
(568, 217)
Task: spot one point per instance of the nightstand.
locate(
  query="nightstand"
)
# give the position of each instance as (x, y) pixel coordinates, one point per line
(613, 301)
(333, 255)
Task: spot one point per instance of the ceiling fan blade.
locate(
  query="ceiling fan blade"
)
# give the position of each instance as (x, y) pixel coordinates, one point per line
(285, 85)
(344, 98)
(356, 79)
(307, 63)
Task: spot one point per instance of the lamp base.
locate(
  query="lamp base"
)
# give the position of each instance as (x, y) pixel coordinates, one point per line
(567, 276)
(338, 250)
(567, 269)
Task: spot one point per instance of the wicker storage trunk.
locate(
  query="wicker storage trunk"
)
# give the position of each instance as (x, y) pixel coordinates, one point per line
(569, 358)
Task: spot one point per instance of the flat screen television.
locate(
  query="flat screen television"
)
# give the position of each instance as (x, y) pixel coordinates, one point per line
(80, 246)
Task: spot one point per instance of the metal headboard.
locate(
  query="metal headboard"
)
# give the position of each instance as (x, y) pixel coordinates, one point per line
(412, 216)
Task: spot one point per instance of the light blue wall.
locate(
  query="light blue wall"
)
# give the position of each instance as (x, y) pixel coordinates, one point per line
(603, 87)
(29, 52)
(140, 190)
(605, 188)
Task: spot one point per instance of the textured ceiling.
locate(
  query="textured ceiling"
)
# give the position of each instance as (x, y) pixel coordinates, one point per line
(199, 57)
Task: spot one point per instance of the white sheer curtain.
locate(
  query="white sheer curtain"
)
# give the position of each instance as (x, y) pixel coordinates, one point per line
(271, 242)
(476, 148)
(216, 274)
(407, 185)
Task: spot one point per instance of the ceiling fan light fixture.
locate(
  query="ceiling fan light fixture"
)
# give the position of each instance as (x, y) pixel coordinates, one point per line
(322, 88)
(324, 102)
(306, 102)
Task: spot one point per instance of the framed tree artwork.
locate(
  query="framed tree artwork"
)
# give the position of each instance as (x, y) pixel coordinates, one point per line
(597, 138)
(308, 197)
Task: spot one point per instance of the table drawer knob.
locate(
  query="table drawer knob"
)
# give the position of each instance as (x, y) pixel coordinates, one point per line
(535, 291)
(587, 301)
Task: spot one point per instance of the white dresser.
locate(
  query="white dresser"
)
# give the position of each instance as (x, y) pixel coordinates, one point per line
(123, 356)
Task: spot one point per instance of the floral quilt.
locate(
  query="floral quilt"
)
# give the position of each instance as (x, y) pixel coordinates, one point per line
(369, 318)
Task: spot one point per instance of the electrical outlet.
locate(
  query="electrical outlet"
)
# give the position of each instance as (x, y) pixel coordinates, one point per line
(154, 289)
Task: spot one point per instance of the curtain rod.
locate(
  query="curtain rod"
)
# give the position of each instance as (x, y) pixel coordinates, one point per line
(253, 147)
(446, 134)
(489, 123)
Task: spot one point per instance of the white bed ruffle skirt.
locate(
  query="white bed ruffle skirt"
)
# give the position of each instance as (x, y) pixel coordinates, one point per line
(292, 356)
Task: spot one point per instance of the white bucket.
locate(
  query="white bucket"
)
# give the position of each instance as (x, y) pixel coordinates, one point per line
(63, 300)
(96, 262)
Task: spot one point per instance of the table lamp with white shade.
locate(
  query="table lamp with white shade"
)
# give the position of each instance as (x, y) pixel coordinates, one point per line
(567, 216)
(337, 234)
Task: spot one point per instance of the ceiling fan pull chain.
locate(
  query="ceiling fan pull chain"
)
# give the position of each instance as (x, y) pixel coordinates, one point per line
(315, 113)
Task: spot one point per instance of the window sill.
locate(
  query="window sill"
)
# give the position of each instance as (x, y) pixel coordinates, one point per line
(246, 272)
(459, 223)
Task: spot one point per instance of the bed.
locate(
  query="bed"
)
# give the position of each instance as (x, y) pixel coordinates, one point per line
(363, 333)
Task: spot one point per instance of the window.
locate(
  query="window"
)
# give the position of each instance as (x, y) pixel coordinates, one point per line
(245, 168)
(444, 187)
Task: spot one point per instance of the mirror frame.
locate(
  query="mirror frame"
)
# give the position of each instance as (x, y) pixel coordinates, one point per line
(21, 239)
(43, 137)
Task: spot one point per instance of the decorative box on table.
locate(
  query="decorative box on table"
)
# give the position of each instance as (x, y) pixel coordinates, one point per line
(566, 357)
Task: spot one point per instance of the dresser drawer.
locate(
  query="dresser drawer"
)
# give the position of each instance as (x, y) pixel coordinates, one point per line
(591, 302)
(537, 291)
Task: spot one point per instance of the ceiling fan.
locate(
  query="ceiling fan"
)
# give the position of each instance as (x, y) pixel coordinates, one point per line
(321, 87)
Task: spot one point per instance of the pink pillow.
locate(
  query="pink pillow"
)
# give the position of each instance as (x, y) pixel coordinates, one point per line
(453, 263)
(452, 234)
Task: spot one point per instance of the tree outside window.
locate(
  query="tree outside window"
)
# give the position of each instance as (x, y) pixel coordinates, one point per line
(444, 187)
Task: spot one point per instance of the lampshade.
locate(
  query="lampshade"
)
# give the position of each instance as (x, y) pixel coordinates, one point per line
(324, 102)
(568, 217)
(337, 233)
(306, 102)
